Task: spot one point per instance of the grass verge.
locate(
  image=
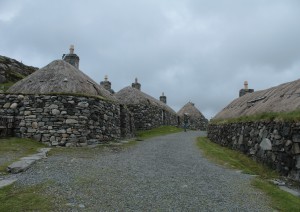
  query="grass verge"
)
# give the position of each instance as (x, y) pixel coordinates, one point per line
(12, 149)
(281, 200)
(29, 199)
(164, 130)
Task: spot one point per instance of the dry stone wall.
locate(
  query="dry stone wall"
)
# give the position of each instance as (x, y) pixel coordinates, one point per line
(276, 144)
(64, 120)
(150, 116)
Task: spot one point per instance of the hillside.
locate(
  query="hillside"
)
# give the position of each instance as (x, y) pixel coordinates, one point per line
(281, 98)
(12, 71)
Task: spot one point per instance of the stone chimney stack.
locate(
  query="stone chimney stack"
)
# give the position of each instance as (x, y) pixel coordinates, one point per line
(72, 58)
(107, 84)
(136, 85)
(163, 98)
(246, 85)
(245, 90)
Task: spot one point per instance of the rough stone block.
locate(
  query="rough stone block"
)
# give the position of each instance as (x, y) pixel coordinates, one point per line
(14, 106)
(265, 144)
(19, 166)
(296, 148)
(296, 138)
(71, 121)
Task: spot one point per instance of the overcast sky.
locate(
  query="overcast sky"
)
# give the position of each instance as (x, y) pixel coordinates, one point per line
(193, 50)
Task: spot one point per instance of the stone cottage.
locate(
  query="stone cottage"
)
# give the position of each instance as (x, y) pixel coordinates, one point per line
(60, 105)
(148, 112)
(196, 120)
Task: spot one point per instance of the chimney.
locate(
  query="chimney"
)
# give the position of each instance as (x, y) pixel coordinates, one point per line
(245, 90)
(136, 85)
(107, 84)
(72, 49)
(72, 58)
(163, 98)
(246, 85)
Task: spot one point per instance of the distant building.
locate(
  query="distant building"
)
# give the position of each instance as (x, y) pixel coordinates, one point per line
(107, 84)
(163, 98)
(245, 90)
(196, 120)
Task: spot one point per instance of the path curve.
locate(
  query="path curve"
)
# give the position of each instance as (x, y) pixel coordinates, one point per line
(166, 173)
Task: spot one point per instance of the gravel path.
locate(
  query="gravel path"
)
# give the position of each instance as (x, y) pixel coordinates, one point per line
(161, 174)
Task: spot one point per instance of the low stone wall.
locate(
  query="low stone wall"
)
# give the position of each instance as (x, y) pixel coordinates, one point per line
(64, 120)
(276, 144)
(149, 116)
(195, 123)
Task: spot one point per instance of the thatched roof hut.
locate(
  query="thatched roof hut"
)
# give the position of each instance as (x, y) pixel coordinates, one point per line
(133, 96)
(59, 77)
(148, 112)
(282, 98)
(196, 118)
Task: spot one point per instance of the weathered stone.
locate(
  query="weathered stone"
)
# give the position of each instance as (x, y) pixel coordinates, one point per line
(23, 129)
(20, 97)
(55, 112)
(71, 121)
(296, 138)
(37, 137)
(26, 113)
(298, 161)
(34, 125)
(63, 113)
(30, 130)
(105, 117)
(266, 144)
(53, 106)
(6, 105)
(30, 117)
(14, 106)
(83, 104)
(296, 148)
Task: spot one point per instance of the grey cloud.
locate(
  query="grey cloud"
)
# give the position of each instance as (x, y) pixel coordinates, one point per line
(193, 50)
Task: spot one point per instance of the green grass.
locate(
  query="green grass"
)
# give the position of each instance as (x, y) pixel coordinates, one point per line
(29, 199)
(15, 148)
(164, 130)
(281, 200)
(269, 116)
(6, 86)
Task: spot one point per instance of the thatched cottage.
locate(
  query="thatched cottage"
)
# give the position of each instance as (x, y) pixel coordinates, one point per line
(60, 105)
(196, 120)
(148, 112)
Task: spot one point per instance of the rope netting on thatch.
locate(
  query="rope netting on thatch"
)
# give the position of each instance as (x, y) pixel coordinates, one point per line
(59, 77)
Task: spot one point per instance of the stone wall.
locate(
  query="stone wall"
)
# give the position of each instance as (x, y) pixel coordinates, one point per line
(276, 144)
(195, 123)
(65, 120)
(149, 116)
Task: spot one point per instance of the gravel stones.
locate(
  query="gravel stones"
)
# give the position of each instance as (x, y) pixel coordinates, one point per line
(161, 174)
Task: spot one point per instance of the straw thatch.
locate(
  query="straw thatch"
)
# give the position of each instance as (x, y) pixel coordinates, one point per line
(59, 77)
(282, 98)
(190, 109)
(133, 96)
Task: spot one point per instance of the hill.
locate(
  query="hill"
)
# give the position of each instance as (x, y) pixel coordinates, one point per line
(12, 71)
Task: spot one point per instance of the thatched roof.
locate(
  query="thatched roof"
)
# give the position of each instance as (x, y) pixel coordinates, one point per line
(59, 77)
(282, 98)
(132, 96)
(190, 109)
